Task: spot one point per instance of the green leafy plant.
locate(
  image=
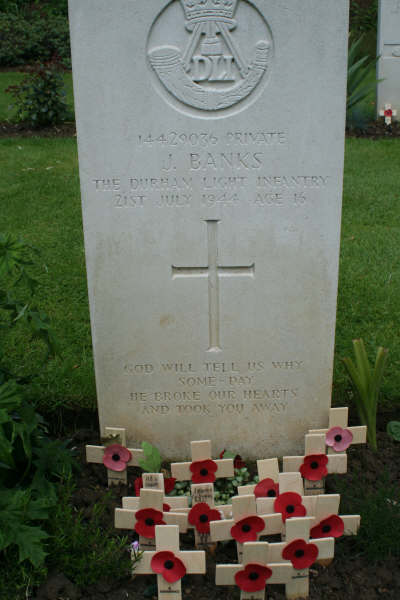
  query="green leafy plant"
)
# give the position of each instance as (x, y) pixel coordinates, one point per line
(366, 380)
(151, 463)
(40, 99)
(361, 81)
(363, 15)
(393, 429)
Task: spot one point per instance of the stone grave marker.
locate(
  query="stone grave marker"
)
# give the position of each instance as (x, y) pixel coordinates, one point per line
(211, 158)
(389, 63)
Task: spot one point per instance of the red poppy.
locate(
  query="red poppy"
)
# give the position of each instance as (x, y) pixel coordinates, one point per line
(138, 484)
(300, 554)
(201, 515)
(222, 454)
(116, 457)
(253, 578)
(168, 565)
(166, 507)
(388, 112)
(146, 521)
(203, 471)
(314, 467)
(169, 484)
(332, 526)
(267, 488)
(290, 505)
(247, 530)
(238, 462)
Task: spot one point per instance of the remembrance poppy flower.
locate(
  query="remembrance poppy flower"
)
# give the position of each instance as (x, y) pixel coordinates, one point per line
(238, 462)
(300, 554)
(290, 505)
(201, 515)
(314, 467)
(168, 565)
(146, 521)
(203, 471)
(267, 488)
(116, 457)
(333, 526)
(339, 439)
(253, 578)
(166, 507)
(247, 530)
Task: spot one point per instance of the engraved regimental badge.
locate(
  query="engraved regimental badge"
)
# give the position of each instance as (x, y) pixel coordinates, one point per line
(210, 54)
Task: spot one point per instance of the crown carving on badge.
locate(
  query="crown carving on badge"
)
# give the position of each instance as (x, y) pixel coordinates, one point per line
(198, 10)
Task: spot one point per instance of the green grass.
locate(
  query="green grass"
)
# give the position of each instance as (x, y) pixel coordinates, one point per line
(14, 78)
(40, 200)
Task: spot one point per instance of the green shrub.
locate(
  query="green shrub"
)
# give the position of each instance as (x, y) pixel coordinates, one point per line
(35, 36)
(40, 99)
(361, 83)
(363, 15)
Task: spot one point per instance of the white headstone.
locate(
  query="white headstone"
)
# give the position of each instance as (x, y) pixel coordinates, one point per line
(389, 52)
(211, 141)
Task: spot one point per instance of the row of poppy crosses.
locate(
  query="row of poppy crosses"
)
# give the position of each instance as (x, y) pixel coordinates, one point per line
(280, 504)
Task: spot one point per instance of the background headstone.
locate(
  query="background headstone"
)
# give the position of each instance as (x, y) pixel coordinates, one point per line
(211, 159)
(389, 52)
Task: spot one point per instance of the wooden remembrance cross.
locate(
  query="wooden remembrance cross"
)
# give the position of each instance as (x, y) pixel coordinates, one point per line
(246, 524)
(314, 454)
(255, 554)
(155, 481)
(149, 515)
(169, 563)
(213, 272)
(339, 417)
(95, 454)
(203, 494)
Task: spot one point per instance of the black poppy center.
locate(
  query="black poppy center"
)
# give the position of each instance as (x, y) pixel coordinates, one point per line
(203, 519)
(253, 576)
(271, 493)
(290, 509)
(116, 457)
(169, 564)
(326, 528)
(246, 528)
(204, 472)
(299, 553)
(149, 522)
(338, 438)
(314, 465)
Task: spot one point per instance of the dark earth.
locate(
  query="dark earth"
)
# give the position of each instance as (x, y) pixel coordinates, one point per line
(350, 576)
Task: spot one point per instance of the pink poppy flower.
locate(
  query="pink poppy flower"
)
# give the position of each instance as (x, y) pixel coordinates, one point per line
(116, 457)
(339, 439)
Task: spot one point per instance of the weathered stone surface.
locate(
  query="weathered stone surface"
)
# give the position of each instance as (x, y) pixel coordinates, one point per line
(211, 157)
(389, 52)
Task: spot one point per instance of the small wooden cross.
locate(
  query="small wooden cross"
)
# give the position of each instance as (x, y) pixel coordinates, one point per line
(267, 469)
(298, 529)
(288, 483)
(95, 454)
(255, 554)
(246, 524)
(151, 513)
(388, 112)
(203, 494)
(202, 469)
(324, 511)
(338, 431)
(155, 481)
(314, 463)
(169, 563)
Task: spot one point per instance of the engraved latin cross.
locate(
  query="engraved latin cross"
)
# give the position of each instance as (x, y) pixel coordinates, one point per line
(213, 272)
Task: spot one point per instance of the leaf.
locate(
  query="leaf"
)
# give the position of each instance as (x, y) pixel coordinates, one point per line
(393, 430)
(152, 459)
(29, 541)
(9, 396)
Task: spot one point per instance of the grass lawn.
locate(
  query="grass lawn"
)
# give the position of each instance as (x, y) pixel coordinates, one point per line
(40, 200)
